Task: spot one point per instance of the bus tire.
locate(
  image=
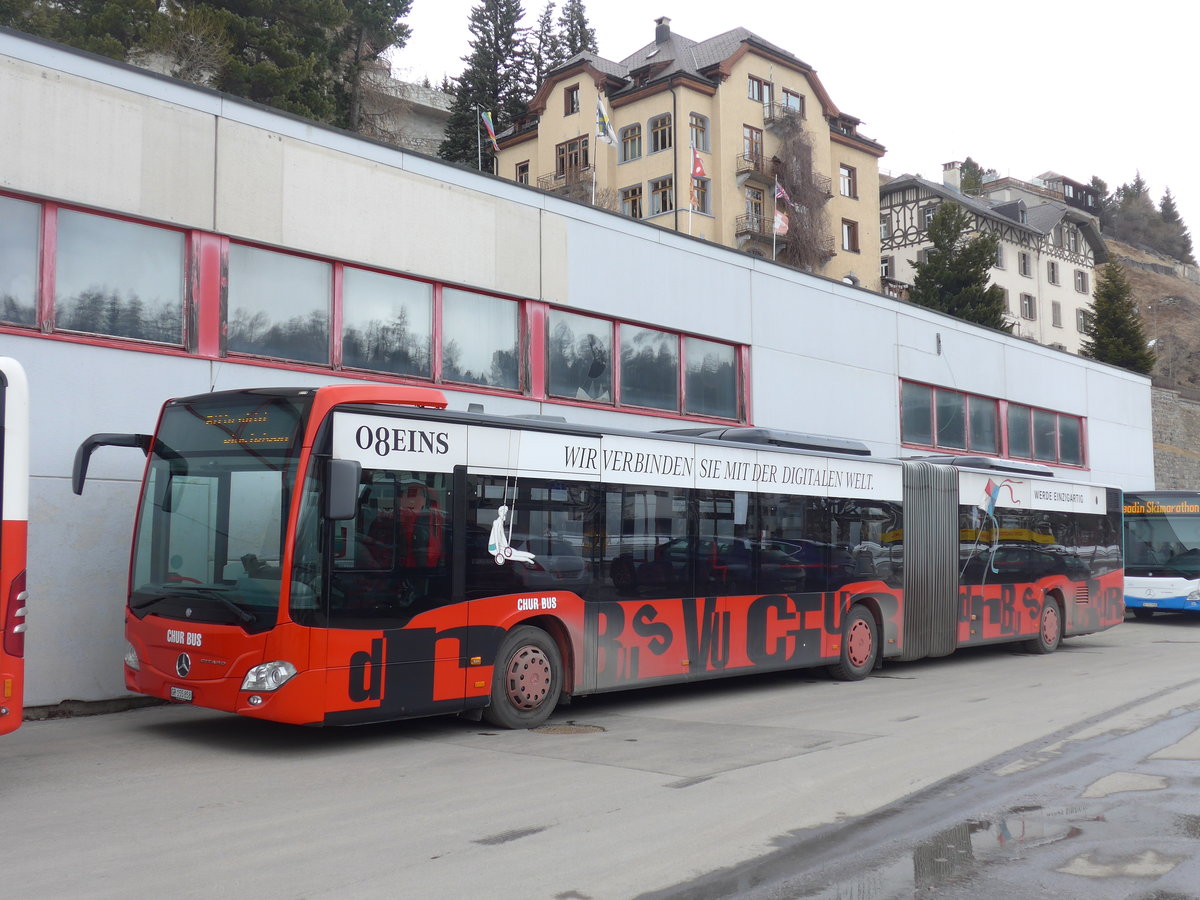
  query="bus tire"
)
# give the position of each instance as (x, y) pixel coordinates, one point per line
(860, 646)
(1049, 633)
(526, 680)
(1142, 614)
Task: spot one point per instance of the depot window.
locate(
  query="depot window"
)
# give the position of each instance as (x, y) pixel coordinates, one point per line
(95, 278)
(117, 278)
(948, 420)
(656, 369)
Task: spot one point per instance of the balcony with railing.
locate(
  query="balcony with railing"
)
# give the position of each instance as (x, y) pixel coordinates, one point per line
(755, 166)
(566, 179)
(823, 184)
(754, 226)
(777, 113)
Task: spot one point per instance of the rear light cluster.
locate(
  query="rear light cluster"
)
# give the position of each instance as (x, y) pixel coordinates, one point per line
(14, 624)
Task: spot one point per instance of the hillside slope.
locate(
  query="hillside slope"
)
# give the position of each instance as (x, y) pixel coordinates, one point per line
(1170, 308)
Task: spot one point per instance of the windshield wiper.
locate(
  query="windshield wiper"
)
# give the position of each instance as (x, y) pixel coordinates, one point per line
(196, 592)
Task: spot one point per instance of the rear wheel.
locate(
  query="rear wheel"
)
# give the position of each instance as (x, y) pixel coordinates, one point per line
(527, 679)
(1049, 634)
(860, 646)
(1142, 613)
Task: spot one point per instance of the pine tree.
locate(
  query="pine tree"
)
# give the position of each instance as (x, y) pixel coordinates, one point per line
(1134, 218)
(971, 176)
(1113, 333)
(1176, 240)
(574, 31)
(111, 28)
(284, 55)
(1104, 203)
(544, 50)
(374, 27)
(955, 276)
(492, 81)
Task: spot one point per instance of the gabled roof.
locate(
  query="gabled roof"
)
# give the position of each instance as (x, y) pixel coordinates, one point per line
(672, 56)
(1040, 218)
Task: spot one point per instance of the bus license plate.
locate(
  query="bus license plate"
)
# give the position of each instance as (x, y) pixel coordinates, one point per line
(182, 694)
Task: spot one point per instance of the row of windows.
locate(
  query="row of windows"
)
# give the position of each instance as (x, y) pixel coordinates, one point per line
(952, 420)
(661, 136)
(662, 197)
(1029, 310)
(114, 278)
(1025, 267)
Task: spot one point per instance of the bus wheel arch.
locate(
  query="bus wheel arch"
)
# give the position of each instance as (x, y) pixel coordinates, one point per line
(859, 645)
(1049, 626)
(527, 678)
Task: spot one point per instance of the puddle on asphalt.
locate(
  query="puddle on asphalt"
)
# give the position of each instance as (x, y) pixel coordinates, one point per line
(951, 856)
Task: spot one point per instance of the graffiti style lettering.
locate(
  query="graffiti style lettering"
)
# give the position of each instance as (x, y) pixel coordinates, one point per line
(707, 634)
(659, 633)
(776, 630)
(614, 662)
(366, 673)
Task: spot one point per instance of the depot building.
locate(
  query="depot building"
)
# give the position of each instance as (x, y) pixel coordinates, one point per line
(159, 239)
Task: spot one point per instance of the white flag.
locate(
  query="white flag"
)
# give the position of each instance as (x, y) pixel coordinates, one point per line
(604, 129)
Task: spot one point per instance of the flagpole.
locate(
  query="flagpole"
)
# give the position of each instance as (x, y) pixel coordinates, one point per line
(774, 217)
(478, 140)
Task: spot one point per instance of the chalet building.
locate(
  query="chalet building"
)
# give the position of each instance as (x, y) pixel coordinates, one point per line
(702, 134)
(1046, 260)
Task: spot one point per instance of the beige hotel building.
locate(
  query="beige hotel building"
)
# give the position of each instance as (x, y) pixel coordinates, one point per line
(755, 116)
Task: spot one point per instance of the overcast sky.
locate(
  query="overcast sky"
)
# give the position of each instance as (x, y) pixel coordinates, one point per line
(1102, 88)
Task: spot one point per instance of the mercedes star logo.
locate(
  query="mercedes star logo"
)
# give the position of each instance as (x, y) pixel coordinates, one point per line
(183, 665)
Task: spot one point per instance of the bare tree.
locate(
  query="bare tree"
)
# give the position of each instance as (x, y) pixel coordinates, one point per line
(808, 244)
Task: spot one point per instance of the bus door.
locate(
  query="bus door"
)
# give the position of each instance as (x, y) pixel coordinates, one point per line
(395, 641)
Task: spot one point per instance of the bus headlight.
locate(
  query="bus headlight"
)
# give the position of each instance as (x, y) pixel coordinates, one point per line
(1194, 595)
(131, 658)
(269, 676)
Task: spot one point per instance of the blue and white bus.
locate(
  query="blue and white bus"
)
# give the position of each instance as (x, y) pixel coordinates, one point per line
(1162, 552)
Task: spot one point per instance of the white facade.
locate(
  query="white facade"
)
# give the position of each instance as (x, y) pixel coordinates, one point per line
(1046, 262)
(824, 357)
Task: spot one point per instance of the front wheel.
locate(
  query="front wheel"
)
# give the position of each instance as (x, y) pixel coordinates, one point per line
(1049, 634)
(860, 646)
(1142, 614)
(526, 681)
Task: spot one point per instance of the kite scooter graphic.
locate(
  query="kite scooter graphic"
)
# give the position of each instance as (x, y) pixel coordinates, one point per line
(499, 546)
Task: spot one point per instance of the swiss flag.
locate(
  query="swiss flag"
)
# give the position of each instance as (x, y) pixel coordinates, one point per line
(697, 165)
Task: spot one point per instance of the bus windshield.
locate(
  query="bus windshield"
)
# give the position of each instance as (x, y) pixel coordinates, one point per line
(210, 531)
(1162, 538)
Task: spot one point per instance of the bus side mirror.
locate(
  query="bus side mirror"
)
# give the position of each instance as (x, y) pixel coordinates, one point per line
(341, 489)
(88, 447)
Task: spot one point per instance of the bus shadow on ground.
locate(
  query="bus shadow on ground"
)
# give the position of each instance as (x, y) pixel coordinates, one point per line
(230, 733)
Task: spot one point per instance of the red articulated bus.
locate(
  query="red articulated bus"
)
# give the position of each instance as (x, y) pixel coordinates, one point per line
(14, 500)
(359, 553)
